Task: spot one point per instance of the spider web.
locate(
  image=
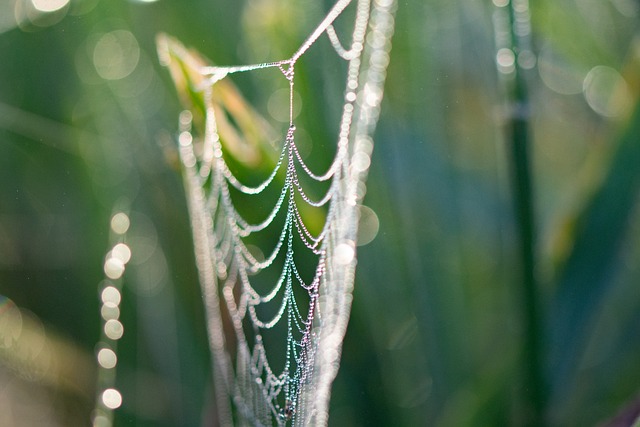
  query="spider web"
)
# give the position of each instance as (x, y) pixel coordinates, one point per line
(291, 270)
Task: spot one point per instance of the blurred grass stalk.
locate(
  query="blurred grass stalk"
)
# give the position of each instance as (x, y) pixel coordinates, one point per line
(518, 139)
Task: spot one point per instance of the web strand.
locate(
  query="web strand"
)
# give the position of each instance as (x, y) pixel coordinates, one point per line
(220, 72)
(309, 295)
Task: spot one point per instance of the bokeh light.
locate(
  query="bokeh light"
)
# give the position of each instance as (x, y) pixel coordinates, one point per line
(101, 421)
(121, 252)
(361, 161)
(120, 223)
(278, 105)
(344, 253)
(558, 74)
(506, 60)
(107, 358)
(111, 295)
(116, 55)
(368, 225)
(606, 91)
(109, 311)
(151, 276)
(111, 398)
(113, 329)
(113, 268)
(10, 323)
(47, 6)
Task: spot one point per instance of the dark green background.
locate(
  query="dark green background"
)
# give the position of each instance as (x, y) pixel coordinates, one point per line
(436, 330)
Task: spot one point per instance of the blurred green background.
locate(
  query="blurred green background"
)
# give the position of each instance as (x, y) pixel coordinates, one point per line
(88, 120)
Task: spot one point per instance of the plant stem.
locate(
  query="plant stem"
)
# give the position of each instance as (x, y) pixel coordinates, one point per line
(531, 348)
(519, 140)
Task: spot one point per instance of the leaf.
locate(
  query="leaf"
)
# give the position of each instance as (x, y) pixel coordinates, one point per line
(587, 275)
(246, 136)
(251, 146)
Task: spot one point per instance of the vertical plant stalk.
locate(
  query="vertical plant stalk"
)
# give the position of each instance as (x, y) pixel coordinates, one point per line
(519, 135)
(519, 141)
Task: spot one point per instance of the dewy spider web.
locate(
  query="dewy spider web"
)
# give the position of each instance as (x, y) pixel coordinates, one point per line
(236, 301)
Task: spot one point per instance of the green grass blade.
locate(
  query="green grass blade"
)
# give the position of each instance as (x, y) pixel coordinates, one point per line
(587, 274)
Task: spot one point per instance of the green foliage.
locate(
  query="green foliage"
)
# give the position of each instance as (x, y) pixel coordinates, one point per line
(436, 331)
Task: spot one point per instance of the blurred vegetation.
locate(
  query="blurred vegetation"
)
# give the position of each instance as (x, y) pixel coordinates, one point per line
(88, 120)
